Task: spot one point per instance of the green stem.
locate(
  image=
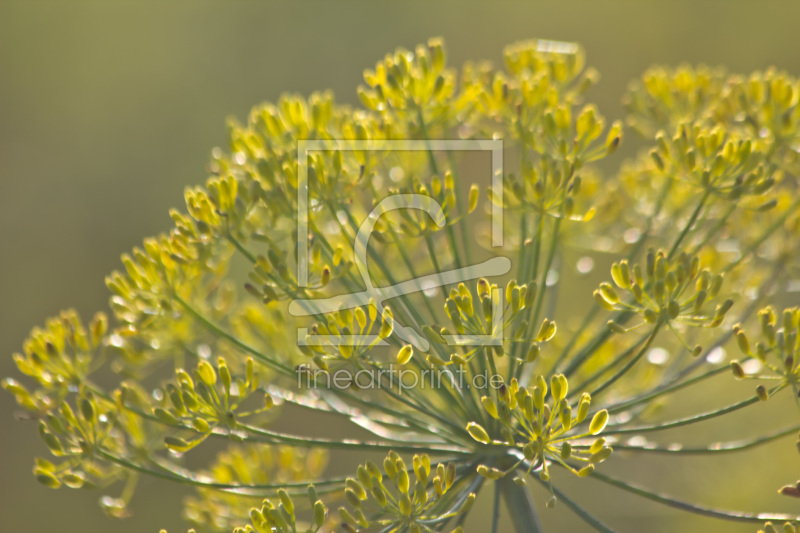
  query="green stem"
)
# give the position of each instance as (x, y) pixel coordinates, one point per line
(411, 270)
(520, 506)
(233, 340)
(191, 480)
(582, 513)
(666, 390)
(690, 507)
(621, 317)
(239, 246)
(348, 444)
(543, 286)
(774, 226)
(690, 420)
(496, 509)
(690, 223)
(622, 371)
(718, 225)
(537, 246)
(600, 372)
(462, 213)
(718, 447)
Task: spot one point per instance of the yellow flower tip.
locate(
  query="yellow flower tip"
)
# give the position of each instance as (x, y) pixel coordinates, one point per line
(467, 505)
(458, 360)
(790, 490)
(473, 198)
(286, 501)
(615, 327)
(761, 392)
(207, 373)
(614, 138)
(673, 309)
(742, 341)
(737, 369)
(387, 324)
(490, 473)
(405, 354)
(546, 331)
(46, 478)
(609, 293)
(566, 451)
(490, 406)
(601, 455)
(319, 513)
(601, 301)
(599, 422)
(533, 353)
(435, 360)
(477, 432)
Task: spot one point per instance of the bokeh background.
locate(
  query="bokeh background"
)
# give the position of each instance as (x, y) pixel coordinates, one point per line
(109, 108)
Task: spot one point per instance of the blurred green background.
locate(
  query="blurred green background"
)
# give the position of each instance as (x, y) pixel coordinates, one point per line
(108, 109)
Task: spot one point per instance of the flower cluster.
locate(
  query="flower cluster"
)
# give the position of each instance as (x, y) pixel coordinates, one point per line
(270, 518)
(778, 351)
(401, 505)
(214, 323)
(541, 423)
(256, 465)
(349, 334)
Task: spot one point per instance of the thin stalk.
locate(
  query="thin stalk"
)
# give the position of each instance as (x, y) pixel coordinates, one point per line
(599, 373)
(690, 223)
(170, 476)
(534, 277)
(543, 286)
(496, 509)
(622, 371)
(349, 444)
(690, 507)
(621, 406)
(435, 261)
(582, 513)
(621, 317)
(460, 206)
(690, 420)
(520, 506)
(435, 170)
(752, 247)
(232, 339)
(715, 448)
(574, 338)
(411, 270)
(718, 225)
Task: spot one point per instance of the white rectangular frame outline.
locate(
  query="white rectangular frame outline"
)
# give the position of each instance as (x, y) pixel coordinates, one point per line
(304, 146)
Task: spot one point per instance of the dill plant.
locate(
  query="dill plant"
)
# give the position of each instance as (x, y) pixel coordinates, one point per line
(208, 301)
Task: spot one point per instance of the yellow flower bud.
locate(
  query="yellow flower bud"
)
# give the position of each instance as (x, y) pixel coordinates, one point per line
(478, 433)
(405, 354)
(599, 422)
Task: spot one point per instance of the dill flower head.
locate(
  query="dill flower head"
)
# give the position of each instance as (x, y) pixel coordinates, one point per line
(357, 263)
